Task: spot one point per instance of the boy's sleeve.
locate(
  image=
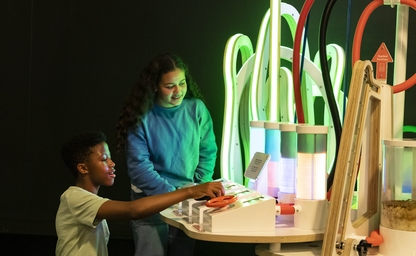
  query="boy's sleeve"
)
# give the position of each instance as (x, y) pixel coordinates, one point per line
(84, 207)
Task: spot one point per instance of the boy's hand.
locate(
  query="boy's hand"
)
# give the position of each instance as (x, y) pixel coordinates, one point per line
(210, 189)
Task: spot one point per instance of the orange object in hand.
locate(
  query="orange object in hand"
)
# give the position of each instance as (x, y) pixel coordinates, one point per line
(221, 201)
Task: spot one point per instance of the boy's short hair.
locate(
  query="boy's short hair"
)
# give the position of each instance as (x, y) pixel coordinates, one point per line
(78, 148)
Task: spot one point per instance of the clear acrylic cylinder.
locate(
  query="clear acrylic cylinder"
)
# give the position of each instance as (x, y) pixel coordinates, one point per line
(257, 144)
(272, 147)
(288, 154)
(287, 166)
(257, 137)
(311, 168)
(398, 200)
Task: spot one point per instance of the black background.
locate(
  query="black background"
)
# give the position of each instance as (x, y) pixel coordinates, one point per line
(68, 66)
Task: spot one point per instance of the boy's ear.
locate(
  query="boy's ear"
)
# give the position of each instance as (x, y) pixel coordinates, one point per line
(82, 168)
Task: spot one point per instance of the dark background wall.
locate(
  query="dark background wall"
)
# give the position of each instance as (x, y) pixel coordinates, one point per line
(68, 66)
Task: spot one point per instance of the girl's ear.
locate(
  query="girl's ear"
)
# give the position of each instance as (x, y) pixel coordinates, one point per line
(82, 168)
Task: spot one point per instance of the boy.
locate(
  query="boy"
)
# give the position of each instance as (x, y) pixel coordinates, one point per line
(81, 218)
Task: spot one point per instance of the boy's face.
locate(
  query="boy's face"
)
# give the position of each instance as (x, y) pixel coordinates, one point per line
(100, 166)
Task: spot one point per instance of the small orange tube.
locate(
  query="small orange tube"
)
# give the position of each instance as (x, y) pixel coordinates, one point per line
(375, 239)
(286, 209)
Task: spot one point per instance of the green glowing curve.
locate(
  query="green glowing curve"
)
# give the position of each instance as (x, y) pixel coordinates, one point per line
(274, 60)
(230, 158)
(287, 107)
(258, 100)
(258, 96)
(409, 128)
(260, 104)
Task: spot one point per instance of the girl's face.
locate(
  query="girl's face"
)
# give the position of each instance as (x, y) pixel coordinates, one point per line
(100, 166)
(172, 89)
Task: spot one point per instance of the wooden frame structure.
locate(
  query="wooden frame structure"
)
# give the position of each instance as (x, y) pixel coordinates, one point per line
(367, 113)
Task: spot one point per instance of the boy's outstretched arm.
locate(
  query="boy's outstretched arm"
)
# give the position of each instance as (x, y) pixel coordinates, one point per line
(147, 206)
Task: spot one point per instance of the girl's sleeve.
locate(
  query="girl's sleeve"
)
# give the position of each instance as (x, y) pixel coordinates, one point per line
(207, 148)
(140, 168)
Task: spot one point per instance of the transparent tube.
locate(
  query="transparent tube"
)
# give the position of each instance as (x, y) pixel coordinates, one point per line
(311, 162)
(398, 200)
(257, 144)
(272, 147)
(288, 152)
(257, 137)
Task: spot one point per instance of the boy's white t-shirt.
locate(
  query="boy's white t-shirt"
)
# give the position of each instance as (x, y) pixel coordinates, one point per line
(79, 233)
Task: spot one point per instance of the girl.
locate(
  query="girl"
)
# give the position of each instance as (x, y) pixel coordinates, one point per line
(167, 134)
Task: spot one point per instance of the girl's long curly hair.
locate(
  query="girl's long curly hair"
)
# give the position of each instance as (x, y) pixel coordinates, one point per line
(143, 96)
